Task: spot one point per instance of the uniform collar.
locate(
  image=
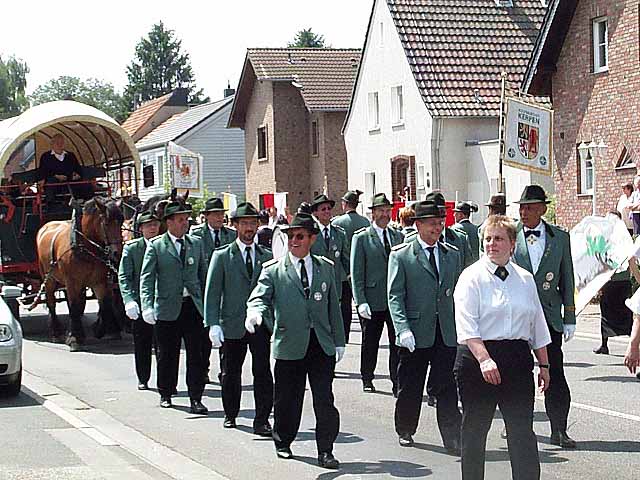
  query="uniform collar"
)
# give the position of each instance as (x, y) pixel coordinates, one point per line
(424, 245)
(173, 239)
(243, 247)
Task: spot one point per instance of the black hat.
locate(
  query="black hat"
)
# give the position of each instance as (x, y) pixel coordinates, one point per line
(319, 200)
(244, 210)
(497, 201)
(305, 207)
(352, 196)
(380, 200)
(302, 220)
(146, 217)
(436, 197)
(428, 209)
(174, 208)
(465, 207)
(214, 205)
(533, 194)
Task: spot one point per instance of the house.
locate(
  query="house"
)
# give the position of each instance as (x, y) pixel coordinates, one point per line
(586, 60)
(152, 113)
(425, 109)
(291, 104)
(191, 133)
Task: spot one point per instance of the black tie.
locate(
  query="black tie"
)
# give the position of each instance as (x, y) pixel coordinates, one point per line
(183, 252)
(432, 260)
(216, 238)
(248, 261)
(387, 246)
(326, 237)
(501, 273)
(304, 278)
(528, 233)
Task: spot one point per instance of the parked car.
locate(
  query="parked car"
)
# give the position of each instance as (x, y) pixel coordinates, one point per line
(10, 350)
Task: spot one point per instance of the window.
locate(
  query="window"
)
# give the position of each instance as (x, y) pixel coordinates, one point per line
(626, 159)
(315, 142)
(586, 174)
(159, 169)
(397, 106)
(374, 111)
(369, 184)
(420, 177)
(600, 45)
(262, 143)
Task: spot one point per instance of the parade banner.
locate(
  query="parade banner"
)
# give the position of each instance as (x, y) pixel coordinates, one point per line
(186, 168)
(528, 136)
(600, 246)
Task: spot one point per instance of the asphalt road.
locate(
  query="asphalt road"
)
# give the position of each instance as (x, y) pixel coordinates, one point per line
(97, 388)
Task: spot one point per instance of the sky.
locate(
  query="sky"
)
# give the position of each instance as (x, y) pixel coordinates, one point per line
(98, 39)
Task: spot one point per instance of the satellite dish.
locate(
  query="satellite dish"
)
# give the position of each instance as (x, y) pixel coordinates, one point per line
(279, 243)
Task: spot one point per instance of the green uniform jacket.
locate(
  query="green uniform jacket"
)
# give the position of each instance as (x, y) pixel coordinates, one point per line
(228, 288)
(472, 234)
(338, 253)
(350, 222)
(279, 298)
(129, 270)
(416, 299)
(163, 276)
(227, 235)
(455, 237)
(369, 267)
(554, 277)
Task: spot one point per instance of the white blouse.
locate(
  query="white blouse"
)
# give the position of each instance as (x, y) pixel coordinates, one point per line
(491, 309)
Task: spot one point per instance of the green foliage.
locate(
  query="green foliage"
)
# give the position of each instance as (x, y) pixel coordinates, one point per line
(198, 203)
(13, 82)
(91, 91)
(307, 39)
(550, 216)
(160, 66)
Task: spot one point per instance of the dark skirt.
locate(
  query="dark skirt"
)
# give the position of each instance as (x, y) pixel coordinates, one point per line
(616, 318)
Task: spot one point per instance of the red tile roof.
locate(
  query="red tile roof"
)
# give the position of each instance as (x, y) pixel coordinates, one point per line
(144, 113)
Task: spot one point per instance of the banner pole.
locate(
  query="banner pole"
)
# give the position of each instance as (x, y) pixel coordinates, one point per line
(501, 120)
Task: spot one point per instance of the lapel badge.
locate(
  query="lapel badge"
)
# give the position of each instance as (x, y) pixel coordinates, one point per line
(448, 292)
(546, 286)
(190, 260)
(324, 286)
(337, 254)
(335, 247)
(532, 239)
(549, 276)
(317, 296)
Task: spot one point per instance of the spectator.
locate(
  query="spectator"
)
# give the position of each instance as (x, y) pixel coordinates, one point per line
(624, 204)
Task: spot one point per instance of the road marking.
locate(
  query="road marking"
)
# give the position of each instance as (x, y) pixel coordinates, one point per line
(594, 336)
(603, 411)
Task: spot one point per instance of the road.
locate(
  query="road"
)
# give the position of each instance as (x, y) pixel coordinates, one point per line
(95, 391)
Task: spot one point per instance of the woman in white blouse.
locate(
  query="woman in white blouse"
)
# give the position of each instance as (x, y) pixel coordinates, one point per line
(499, 320)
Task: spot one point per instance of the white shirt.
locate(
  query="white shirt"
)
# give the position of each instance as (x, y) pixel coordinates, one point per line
(308, 265)
(178, 247)
(243, 249)
(380, 232)
(59, 156)
(436, 251)
(535, 245)
(624, 203)
(491, 309)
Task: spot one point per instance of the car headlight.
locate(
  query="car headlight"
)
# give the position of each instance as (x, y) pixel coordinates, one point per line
(6, 333)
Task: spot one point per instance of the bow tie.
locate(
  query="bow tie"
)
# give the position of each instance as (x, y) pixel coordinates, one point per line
(528, 233)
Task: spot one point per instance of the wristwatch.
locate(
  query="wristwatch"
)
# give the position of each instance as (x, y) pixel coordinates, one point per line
(543, 365)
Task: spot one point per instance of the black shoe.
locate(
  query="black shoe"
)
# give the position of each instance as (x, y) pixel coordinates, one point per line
(563, 440)
(405, 440)
(263, 430)
(453, 448)
(327, 460)
(284, 453)
(165, 402)
(229, 422)
(602, 350)
(143, 386)
(367, 386)
(431, 400)
(197, 408)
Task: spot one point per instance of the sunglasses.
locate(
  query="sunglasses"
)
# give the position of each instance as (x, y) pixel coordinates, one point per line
(297, 236)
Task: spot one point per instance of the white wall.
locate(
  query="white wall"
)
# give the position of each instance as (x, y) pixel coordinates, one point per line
(155, 157)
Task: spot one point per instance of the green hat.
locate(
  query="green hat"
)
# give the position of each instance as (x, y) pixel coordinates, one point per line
(380, 200)
(214, 205)
(245, 210)
(428, 209)
(319, 200)
(533, 194)
(497, 201)
(465, 207)
(146, 217)
(302, 220)
(352, 196)
(174, 208)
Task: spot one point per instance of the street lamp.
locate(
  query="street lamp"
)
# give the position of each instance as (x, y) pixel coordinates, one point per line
(593, 149)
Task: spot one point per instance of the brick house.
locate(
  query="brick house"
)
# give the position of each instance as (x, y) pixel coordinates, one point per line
(586, 59)
(291, 104)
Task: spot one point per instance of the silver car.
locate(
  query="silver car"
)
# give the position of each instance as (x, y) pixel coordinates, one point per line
(10, 350)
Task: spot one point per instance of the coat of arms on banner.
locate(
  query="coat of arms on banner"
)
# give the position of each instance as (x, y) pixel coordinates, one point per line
(528, 136)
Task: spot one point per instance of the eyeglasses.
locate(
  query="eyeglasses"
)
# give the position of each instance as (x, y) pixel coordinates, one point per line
(325, 209)
(297, 236)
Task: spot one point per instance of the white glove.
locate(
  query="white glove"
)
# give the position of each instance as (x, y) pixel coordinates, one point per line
(216, 336)
(132, 310)
(569, 330)
(408, 341)
(364, 311)
(339, 354)
(149, 316)
(253, 320)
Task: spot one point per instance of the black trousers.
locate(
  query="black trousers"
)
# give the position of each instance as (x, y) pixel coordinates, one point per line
(371, 333)
(345, 308)
(514, 396)
(290, 380)
(557, 398)
(233, 353)
(412, 373)
(142, 345)
(188, 327)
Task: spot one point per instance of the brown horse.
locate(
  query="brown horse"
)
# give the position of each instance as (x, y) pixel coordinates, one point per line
(85, 264)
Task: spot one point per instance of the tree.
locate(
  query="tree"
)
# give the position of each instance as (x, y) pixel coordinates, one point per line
(307, 39)
(13, 82)
(91, 91)
(159, 67)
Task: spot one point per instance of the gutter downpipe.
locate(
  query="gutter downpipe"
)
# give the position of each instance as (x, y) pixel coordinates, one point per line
(436, 138)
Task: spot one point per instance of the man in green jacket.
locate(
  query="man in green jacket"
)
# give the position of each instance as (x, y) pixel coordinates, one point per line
(370, 251)
(233, 273)
(297, 300)
(129, 281)
(462, 214)
(422, 277)
(172, 282)
(545, 251)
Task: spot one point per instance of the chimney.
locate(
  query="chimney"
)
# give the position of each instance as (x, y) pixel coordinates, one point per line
(229, 91)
